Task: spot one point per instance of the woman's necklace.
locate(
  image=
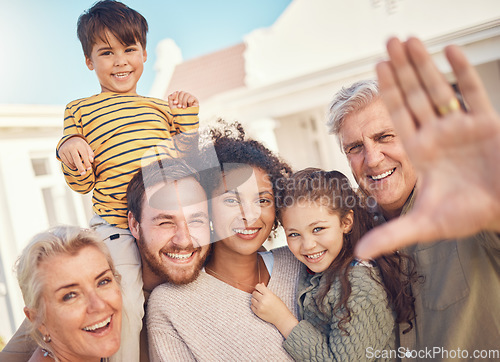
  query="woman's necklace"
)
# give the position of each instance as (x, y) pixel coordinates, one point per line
(234, 281)
(47, 353)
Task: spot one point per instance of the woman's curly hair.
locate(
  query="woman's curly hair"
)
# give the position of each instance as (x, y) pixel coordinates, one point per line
(234, 150)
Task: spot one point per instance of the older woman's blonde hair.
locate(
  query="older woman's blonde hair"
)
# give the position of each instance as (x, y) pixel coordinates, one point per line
(61, 240)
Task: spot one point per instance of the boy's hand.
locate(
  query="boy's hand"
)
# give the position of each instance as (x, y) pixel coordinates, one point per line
(77, 154)
(182, 100)
(267, 306)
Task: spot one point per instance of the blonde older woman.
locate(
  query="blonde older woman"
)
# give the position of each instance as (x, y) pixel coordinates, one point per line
(72, 295)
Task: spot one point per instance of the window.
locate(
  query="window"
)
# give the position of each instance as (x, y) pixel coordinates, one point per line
(40, 166)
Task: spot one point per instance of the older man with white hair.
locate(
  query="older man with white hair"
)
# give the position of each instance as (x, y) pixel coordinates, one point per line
(434, 173)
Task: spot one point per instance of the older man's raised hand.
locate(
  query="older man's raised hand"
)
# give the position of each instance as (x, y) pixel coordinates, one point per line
(457, 154)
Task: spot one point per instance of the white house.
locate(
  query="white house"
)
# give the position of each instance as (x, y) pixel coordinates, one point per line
(279, 81)
(33, 193)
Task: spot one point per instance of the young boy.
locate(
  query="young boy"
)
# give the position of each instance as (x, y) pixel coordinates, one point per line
(109, 136)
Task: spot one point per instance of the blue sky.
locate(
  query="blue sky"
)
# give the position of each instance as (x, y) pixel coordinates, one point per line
(41, 61)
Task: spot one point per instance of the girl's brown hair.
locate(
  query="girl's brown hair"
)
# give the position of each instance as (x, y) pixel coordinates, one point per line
(333, 189)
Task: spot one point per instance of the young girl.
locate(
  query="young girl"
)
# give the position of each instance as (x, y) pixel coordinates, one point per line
(348, 309)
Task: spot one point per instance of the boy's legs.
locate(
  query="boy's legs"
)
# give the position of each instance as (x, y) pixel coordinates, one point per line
(127, 260)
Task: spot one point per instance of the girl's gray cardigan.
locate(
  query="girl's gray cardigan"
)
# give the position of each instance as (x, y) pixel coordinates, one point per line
(372, 332)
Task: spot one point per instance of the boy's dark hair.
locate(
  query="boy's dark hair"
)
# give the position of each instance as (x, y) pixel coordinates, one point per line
(126, 24)
(333, 190)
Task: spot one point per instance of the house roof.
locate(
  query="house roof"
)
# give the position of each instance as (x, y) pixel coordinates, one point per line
(210, 74)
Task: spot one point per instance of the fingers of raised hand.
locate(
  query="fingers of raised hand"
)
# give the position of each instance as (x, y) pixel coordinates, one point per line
(407, 75)
(394, 101)
(396, 234)
(426, 92)
(437, 87)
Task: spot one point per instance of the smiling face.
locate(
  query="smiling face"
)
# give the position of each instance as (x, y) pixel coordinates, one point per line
(82, 305)
(173, 234)
(315, 234)
(377, 158)
(118, 67)
(243, 216)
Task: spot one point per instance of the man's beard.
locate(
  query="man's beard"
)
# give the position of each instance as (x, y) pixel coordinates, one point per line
(168, 274)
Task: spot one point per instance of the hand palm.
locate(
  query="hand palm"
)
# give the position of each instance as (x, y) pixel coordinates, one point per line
(457, 154)
(453, 156)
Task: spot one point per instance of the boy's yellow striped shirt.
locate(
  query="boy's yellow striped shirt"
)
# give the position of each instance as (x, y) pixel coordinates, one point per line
(125, 131)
